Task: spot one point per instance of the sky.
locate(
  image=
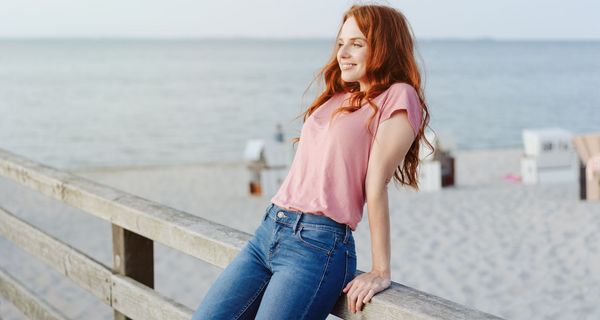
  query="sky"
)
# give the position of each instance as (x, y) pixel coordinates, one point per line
(430, 19)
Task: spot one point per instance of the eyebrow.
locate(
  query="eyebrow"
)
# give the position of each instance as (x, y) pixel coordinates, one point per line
(359, 38)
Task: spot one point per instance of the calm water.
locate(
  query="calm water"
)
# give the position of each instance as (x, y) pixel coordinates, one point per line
(86, 103)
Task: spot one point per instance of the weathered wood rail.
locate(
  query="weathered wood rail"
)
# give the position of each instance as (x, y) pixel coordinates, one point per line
(127, 286)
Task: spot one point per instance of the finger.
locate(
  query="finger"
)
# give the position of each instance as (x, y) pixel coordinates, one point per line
(352, 303)
(369, 296)
(348, 286)
(359, 300)
(352, 298)
(349, 304)
(349, 298)
(352, 290)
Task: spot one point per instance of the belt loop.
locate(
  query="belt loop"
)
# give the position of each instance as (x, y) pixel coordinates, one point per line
(347, 234)
(296, 222)
(269, 207)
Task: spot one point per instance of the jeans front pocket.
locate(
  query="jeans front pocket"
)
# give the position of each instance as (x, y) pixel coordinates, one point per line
(318, 239)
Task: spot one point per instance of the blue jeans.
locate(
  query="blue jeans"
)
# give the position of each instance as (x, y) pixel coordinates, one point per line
(294, 267)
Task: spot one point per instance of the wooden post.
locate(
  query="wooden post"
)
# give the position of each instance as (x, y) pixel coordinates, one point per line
(582, 181)
(448, 171)
(133, 256)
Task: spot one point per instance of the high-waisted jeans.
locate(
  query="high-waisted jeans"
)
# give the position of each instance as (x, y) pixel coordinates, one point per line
(294, 267)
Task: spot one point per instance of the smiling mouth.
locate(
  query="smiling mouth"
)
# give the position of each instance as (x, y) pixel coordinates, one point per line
(346, 66)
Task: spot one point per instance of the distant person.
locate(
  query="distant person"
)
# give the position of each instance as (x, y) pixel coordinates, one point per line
(363, 129)
(279, 137)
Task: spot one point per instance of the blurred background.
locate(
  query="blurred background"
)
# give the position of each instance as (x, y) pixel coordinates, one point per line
(99, 84)
(160, 98)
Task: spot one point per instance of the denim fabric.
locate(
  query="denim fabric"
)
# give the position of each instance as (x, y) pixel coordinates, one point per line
(294, 267)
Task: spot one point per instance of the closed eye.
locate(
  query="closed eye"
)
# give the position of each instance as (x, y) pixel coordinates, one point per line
(354, 44)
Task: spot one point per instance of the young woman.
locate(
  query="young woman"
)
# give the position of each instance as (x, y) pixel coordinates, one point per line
(362, 130)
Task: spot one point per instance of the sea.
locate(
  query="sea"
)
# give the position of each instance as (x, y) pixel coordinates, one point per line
(87, 103)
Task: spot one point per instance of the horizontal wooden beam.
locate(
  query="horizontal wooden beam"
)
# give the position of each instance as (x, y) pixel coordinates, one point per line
(86, 272)
(206, 240)
(32, 306)
(138, 301)
(125, 295)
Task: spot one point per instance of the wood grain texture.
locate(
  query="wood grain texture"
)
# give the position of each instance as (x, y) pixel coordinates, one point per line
(32, 306)
(113, 289)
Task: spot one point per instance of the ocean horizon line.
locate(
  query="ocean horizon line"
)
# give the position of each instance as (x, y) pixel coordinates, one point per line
(288, 39)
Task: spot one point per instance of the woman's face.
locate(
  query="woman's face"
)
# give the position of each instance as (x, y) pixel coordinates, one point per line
(352, 53)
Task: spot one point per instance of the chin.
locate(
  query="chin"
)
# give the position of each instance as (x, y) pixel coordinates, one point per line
(349, 79)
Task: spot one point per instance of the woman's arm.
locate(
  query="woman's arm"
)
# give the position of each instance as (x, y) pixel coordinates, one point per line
(392, 141)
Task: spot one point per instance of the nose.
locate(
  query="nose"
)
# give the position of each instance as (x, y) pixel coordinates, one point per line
(343, 52)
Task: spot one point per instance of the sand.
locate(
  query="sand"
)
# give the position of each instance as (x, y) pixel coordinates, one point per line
(516, 251)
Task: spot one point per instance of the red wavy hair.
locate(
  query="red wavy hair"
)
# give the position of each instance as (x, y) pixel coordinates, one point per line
(390, 59)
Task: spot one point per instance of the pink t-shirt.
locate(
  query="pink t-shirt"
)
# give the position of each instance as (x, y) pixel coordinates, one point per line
(327, 175)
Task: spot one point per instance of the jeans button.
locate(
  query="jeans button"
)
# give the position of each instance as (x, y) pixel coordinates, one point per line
(281, 214)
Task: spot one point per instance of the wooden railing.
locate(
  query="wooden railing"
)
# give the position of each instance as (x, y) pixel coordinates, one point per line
(127, 286)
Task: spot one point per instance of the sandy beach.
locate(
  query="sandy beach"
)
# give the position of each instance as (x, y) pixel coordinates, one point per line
(513, 250)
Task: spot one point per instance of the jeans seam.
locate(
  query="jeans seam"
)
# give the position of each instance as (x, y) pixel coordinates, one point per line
(252, 299)
(309, 226)
(271, 248)
(318, 287)
(350, 252)
(345, 271)
(327, 251)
